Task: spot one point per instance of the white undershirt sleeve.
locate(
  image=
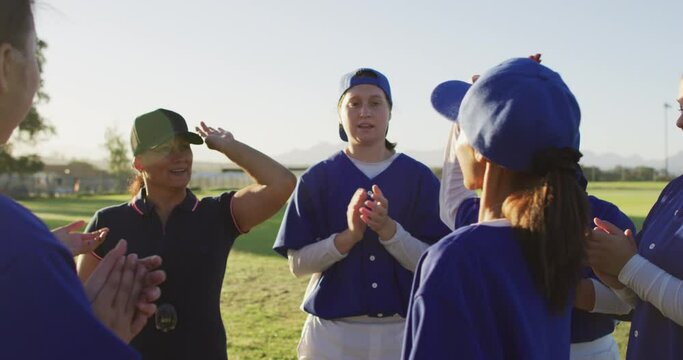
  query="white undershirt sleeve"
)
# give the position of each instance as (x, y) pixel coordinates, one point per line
(654, 285)
(607, 301)
(314, 258)
(452, 191)
(405, 248)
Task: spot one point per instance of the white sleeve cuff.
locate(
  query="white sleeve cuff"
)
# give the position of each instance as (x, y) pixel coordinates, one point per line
(607, 301)
(398, 236)
(630, 269)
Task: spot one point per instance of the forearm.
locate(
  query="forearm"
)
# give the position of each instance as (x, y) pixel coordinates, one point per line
(263, 169)
(452, 191)
(405, 248)
(654, 285)
(314, 258)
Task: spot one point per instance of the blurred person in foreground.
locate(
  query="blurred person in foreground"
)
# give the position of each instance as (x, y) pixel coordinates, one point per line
(45, 312)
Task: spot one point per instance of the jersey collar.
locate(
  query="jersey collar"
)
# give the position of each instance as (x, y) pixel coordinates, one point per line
(143, 207)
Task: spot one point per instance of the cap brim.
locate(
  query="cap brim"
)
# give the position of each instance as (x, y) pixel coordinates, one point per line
(447, 97)
(192, 138)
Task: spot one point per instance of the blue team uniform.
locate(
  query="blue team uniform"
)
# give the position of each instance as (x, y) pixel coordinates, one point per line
(585, 326)
(44, 313)
(194, 245)
(474, 297)
(654, 336)
(369, 281)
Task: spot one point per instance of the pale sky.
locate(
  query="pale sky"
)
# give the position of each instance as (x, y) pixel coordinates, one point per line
(269, 70)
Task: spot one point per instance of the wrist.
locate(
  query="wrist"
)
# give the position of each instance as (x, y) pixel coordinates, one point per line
(388, 231)
(345, 240)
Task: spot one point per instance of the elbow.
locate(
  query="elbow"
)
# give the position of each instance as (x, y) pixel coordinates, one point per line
(295, 268)
(296, 272)
(285, 187)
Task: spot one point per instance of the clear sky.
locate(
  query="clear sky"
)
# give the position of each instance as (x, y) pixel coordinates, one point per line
(268, 70)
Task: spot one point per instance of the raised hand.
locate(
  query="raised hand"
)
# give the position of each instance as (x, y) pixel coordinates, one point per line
(79, 243)
(375, 214)
(216, 139)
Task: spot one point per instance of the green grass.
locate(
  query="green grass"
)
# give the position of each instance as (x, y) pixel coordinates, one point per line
(260, 298)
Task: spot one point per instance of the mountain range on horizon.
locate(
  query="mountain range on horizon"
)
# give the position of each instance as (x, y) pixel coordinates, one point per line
(433, 158)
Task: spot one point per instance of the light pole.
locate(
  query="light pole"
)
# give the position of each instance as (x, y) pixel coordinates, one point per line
(667, 106)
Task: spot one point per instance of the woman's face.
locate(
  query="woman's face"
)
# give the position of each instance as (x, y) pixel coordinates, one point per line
(679, 122)
(168, 165)
(471, 164)
(20, 83)
(364, 114)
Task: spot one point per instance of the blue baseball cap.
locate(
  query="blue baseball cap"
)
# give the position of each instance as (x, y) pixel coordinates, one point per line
(447, 97)
(518, 109)
(359, 77)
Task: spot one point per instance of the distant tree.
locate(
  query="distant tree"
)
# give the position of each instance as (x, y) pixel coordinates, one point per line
(119, 162)
(29, 130)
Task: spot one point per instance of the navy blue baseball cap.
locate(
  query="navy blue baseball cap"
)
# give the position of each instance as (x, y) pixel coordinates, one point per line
(360, 77)
(447, 97)
(155, 128)
(518, 109)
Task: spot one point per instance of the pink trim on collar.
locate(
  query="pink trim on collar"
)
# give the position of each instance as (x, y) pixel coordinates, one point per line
(196, 203)
(135, 207)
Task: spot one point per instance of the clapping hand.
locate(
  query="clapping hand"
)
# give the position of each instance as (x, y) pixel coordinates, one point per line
(122, 291)
(79, 243)
(375, 214)
(609, 249)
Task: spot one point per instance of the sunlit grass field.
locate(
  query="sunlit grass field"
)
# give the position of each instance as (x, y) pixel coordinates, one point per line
(260, 298)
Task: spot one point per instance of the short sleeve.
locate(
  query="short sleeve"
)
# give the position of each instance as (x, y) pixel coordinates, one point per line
(468, 212)
(225, 206)
(297, 228)
(427, 226)
(438, 312)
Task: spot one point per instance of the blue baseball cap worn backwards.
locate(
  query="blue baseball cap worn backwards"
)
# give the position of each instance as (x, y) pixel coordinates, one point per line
(514, 111)
(360, 77)
(447, 97)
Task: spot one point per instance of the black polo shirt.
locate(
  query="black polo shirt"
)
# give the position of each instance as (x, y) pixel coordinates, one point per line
(194, 246)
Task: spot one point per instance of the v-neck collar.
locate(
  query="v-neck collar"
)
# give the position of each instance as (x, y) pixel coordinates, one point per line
(352, 165)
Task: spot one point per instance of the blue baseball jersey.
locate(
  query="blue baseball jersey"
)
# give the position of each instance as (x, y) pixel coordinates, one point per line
(194, 245)
(586, 326)
(654, 336)
(368, 281)
(474, 297)
(44, 313)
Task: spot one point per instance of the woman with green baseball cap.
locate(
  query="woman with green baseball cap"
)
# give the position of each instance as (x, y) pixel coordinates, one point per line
(194, 236)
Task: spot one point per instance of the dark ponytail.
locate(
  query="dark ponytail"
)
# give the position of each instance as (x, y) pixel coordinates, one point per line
(550, 216)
